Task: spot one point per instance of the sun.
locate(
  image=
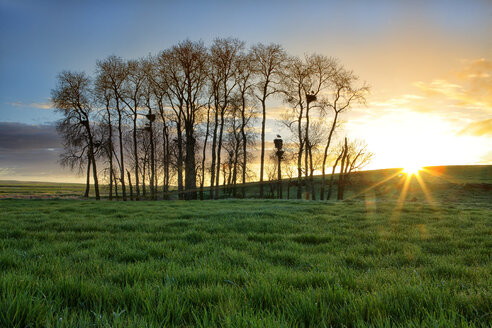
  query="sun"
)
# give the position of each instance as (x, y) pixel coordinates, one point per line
(412, 169)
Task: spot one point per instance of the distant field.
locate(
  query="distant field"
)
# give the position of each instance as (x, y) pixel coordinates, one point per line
(29, 189)
(450, 182)
(373, 260)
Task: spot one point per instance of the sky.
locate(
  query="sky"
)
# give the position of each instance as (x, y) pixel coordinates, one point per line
(429, 65)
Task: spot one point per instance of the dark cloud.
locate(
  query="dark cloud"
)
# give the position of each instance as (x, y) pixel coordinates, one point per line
(30, 152)
(20, 136)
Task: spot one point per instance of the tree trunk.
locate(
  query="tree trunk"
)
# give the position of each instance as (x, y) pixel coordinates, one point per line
(219, 148)
(311, 174)
(325, 156)
(135, 154)
(130, 184)
(299, 155)
(333, 175)
(93, 159)
(279, 178)
(153, 184)
(341, 177)
(110, 150)
(180, 159)
(94, 173)
(110, 196)
(144, 187)
(88, 182)
(229, 178)
(262, 156)
(166, 156)
(214, 155)
(115, 184)
(190, 165)
(122, 161)
(245, 144)
(202, 182)
(235, 162)
(307, 146)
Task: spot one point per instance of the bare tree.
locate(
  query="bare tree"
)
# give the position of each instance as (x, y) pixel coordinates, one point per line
(351, 156)
(131, 95)
(72, 97)
(245, 90)
(104, 98)
(233, 142)
(335, 164)
(196, 98)
(112, 73)
(268, 63)
(224, 54)
(74, 154)
(157, 82)
(289, 160)
(272, 172)
(320, 71)
(355, 157)
(305, 82)
(293, 87)
(347, 91)
(185, 70)
(148, 93)
(204, 148)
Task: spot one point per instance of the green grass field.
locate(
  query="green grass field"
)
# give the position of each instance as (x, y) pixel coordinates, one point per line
(370, 261)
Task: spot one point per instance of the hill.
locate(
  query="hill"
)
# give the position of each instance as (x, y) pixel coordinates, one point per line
(448, 183)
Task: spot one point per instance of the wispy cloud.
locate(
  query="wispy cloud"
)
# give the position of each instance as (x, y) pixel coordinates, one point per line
(32, 105)
(472, 85)
(465, 94)
(396, 101)
(480, 128)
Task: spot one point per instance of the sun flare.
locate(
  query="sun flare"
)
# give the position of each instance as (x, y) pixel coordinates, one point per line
(412, 169)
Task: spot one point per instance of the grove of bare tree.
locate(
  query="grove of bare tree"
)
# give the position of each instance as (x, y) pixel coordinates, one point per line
(192, 114)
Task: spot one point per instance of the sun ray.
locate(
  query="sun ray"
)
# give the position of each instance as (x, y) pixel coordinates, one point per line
(442, 176)
(401, 199)
(434, 204)
(374, 186)
(424, 188)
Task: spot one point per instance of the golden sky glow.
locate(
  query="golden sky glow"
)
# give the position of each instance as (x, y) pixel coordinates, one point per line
(443, 121)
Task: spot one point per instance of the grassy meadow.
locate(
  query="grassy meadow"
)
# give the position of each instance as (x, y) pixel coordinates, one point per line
(375, 260)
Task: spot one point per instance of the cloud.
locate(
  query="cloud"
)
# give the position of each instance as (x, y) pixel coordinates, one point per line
(472, 85)
(30, 152)
(33, 105)
(20, 136)
(396, 101)
(480, 128)
(465, 94)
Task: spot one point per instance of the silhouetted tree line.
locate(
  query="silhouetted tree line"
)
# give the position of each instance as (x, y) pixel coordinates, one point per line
(187, 118)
